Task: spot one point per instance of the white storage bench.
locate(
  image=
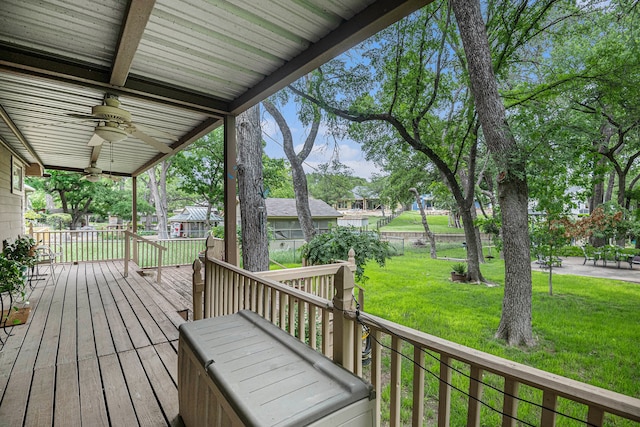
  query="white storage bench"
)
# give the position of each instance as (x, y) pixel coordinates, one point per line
(242, 370)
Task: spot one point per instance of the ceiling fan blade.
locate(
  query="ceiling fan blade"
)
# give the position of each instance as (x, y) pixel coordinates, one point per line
(95, 141)
(84, 116)
(156, 131)
(61, 123)
(150, 141)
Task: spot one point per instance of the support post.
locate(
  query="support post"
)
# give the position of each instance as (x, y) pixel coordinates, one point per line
(230, 182)
(134, 205)
(343, 319)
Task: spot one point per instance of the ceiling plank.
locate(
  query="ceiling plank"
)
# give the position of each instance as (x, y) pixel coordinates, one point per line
(198, 132)
(35, 64)
(371, 20)
(132, 31)
(23, 140)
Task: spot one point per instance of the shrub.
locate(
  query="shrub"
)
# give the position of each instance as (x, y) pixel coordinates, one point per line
(333, 246)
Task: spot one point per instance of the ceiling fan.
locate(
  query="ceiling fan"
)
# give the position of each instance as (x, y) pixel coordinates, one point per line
(115, 125)
(92, 173)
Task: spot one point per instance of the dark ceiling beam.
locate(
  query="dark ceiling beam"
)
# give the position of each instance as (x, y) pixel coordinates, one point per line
(373, 19)
(16, 132)
(78, 170)
(137, 16)
(196, 133)
(86, 75)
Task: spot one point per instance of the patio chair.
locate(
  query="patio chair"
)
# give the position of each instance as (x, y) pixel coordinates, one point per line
(47, 256)
(589, 255)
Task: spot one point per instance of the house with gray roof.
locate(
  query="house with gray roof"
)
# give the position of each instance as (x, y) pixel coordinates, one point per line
(191, 222)
(282, 217)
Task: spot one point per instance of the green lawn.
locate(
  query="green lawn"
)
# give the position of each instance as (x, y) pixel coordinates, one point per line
(411, 221)
(589, 330)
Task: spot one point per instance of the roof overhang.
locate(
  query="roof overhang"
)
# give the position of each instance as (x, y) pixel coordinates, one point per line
(178, 67)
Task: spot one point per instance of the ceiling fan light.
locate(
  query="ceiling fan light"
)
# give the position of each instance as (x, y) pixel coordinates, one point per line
(110, 133)
(93, 178)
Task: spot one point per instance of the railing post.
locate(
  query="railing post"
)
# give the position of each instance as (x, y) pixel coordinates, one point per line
(135, 247)
(343, 319)
(197, 290)
(127, 252)
(159, 273)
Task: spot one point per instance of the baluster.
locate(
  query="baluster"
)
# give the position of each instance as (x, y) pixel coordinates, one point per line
(444, 394)
(284, 302)
(549, 403)
(396, 388)
(357, 349)
(475, 395)
(418, 386)
(301, 323)
(291, 313)
(595, 416)
(327, 347)
(313, 341)
(274, 306)
(376, 369)
(510, 405)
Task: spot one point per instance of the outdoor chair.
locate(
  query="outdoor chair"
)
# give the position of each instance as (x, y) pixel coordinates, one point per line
(589, 255)
(46, 255)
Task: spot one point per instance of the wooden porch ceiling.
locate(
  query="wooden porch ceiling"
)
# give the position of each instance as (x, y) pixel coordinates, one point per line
(98, 349)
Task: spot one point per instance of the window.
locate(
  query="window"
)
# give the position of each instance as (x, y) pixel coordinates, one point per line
(17, 176)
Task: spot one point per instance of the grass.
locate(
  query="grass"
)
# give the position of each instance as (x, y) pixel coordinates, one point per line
(587, 331)
(411, 221)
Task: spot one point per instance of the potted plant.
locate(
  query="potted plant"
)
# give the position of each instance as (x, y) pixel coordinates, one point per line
(15, 261)
(459, 272)
(12, 292)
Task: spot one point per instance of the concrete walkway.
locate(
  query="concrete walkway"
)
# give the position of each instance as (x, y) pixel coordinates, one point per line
(574, 265)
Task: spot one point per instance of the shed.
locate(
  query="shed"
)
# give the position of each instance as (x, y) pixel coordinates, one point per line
(191, 222)
(282, 217)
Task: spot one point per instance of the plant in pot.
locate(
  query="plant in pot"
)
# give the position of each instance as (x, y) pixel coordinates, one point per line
(459, 272)
(15, 261)
(12, 291)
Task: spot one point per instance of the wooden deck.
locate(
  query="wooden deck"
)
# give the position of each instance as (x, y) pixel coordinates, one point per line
(98, 349)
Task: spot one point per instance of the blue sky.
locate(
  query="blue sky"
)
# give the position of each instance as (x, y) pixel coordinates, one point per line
(326, 146)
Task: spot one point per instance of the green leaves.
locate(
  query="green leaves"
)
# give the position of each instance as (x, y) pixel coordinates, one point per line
(335, 245)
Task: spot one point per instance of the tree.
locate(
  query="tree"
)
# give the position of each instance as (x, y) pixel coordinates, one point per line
(251, 192)
(277, 178)
(75, 194)
(296, 160)
(425, 224)
(333, 182)
(200, 170)
(515, 324)
(158, 187)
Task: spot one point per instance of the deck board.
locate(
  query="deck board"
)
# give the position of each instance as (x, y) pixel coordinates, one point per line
(67, 397)
(93, 409)
(98, 349)
(40, 409)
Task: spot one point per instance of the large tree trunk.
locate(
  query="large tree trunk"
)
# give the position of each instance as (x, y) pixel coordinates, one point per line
(253, 213)
(158, 188)
(425, 224)
(515, 324)
(296, 160)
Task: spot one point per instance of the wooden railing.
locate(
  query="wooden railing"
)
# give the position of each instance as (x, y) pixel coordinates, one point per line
(177, 252)
(460, 385)
(132, 246)
(84, 245)
(107, 245)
